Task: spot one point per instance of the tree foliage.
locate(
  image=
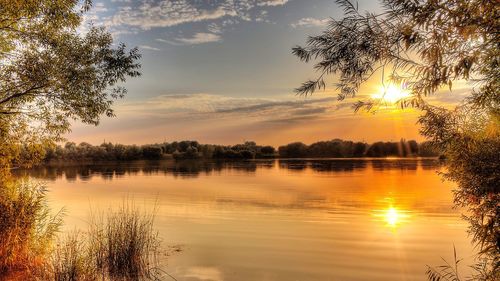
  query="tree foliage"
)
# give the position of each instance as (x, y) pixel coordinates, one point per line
(428, 46)
(348, 149)
(52, 72)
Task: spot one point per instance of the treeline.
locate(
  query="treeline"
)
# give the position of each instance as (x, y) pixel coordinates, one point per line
(347, 149)
(178, 150)
(248, 150)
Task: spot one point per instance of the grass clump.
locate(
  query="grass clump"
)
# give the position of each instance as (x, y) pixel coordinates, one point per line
(27, 226)
(123, 244)
(70, 260)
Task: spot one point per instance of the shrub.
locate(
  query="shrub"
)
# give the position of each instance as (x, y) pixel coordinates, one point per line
(269, 150)
(151, 152)
(247, 154)
(296, 149)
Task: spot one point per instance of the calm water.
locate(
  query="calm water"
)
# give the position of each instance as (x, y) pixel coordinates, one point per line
(280, 219)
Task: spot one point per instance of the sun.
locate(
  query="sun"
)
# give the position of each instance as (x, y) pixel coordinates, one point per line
(392, 216)
(391, 94)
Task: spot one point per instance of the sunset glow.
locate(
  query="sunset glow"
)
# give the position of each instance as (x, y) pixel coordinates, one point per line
(391, 94)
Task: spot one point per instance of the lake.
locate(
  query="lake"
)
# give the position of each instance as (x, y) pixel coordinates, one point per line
(346, 219)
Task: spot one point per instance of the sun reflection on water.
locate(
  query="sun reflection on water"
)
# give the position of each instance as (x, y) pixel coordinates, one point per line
(392, 216)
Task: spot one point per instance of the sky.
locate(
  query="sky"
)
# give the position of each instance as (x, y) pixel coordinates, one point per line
(221, 71)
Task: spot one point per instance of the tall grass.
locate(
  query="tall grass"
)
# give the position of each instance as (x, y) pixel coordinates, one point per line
(70, 260)
(481, 271)
(123, 244)
(27, 228)
(118, 245)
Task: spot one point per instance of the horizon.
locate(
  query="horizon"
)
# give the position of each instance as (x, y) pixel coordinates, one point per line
(243, 142)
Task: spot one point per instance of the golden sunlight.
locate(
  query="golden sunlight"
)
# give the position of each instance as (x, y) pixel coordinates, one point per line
(391, 94)
(392, 216)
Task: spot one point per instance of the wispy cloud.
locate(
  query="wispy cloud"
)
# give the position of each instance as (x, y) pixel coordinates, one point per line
(217, 106)
(196, 39)
(165, 14)
(214, 28)
(271, 2)
(310, 22)
(147, 47)
(148, 14)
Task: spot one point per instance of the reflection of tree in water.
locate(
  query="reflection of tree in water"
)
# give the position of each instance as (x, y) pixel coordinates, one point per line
(111, 170)
(323, 165)
(349, 165)
(405, 164)
(193, 168)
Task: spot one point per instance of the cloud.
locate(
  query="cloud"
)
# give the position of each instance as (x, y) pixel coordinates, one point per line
(132, 17)
(165, 14)
(148, 14)
(310, 22)
(202, 108)
(214, 28)
(198, 38)
(99, 7)
(146, 47)
(295, 107)
(272, 2)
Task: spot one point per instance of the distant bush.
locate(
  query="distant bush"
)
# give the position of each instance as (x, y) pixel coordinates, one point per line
(267, 150)
(293, 150)
(247, 154)
(191, 152)
(151, 152)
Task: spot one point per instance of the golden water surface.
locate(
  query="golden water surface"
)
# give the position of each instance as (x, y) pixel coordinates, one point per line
(280, 219)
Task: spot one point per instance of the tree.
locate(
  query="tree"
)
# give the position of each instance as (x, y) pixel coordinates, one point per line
(293, 150)
(151, 152)
(427, 46)
(267, 150)
(51, 73)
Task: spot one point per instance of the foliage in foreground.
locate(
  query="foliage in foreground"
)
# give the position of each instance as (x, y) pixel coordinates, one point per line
(119, 245)
(450, 271)
(70, 260)
(27, 226)
(123, 244)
